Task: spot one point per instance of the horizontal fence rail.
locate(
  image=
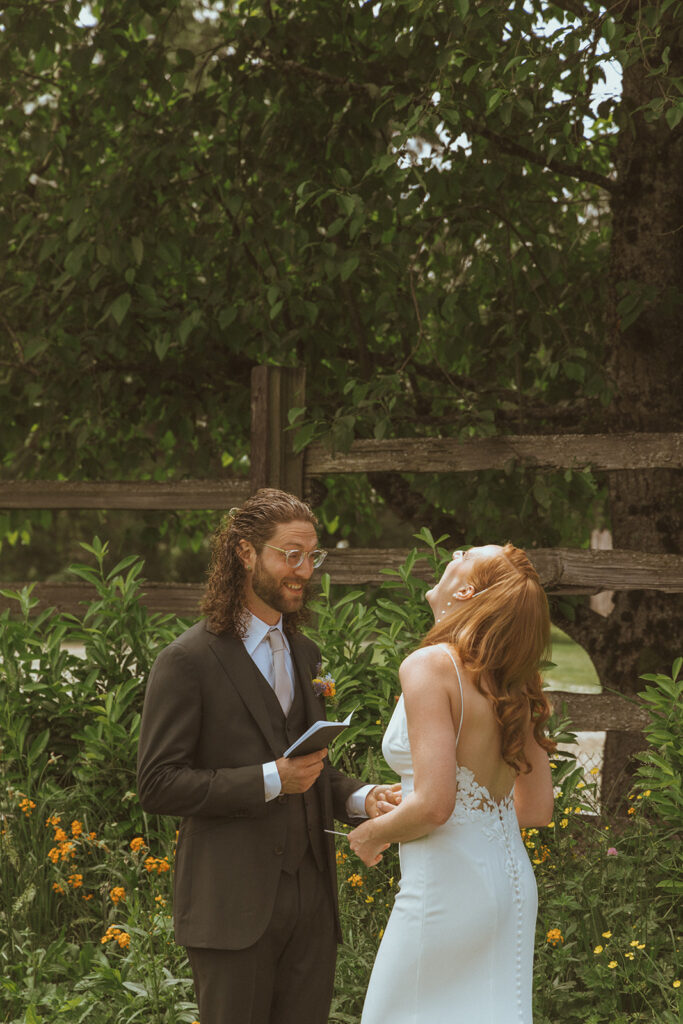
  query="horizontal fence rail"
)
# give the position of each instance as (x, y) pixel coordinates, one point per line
(449, 455)
(561, 570)
(124, 494)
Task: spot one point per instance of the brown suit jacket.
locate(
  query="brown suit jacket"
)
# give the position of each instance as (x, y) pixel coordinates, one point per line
(204, 737)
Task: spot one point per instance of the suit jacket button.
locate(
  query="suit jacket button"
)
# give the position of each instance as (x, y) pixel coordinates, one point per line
(278, 850)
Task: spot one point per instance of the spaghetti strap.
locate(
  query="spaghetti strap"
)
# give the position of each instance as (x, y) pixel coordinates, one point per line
(462, 700)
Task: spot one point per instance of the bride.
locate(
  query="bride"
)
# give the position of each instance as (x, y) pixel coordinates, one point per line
(467, 740)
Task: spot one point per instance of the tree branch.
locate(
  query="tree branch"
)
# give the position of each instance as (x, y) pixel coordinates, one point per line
(558, 166)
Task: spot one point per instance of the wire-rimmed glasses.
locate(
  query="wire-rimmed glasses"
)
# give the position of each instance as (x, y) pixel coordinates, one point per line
(294, 557)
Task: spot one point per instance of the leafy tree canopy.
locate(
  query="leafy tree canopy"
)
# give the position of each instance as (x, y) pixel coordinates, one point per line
(413, 200)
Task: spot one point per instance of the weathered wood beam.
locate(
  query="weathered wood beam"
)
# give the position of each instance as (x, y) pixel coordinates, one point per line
(449, 455)
(274, 391)
(598, 712)
(124, 494)
(562, 571)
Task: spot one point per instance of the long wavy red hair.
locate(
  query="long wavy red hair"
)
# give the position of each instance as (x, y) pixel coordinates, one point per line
(504, 633)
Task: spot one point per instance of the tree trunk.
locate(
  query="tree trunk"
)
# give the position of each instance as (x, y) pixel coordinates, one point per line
(643, 632)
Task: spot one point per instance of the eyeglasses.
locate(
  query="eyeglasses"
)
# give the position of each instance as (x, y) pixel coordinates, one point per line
(294, 557)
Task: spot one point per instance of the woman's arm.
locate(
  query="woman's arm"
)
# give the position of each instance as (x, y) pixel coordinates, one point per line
(425, 678)
(533, 794)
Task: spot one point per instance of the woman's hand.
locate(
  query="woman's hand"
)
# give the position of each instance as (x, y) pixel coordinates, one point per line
(365, 845)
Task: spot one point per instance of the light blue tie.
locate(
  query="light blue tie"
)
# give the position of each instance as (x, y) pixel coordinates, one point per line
(283, 684)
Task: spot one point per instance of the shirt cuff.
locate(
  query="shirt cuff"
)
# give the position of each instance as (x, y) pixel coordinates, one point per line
(272, 782)
(355, 805)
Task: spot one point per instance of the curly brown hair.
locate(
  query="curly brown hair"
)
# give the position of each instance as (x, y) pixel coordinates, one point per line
(256, 522)
(505, 633)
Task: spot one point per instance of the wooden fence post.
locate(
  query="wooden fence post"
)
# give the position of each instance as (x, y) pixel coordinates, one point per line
(274, 391)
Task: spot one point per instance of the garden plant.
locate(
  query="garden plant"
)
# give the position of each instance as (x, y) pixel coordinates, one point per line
(85, 894)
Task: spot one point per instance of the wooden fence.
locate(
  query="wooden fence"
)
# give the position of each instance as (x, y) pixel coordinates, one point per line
(273, 463)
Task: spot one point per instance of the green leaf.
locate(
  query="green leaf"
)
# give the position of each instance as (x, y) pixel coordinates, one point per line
(120, 307)
(348, 267)
(674, 115)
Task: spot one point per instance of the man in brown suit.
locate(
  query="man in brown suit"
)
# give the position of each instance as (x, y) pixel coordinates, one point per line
(255, 897)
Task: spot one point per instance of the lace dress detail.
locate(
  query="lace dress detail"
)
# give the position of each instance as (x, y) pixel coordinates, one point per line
(458, 948)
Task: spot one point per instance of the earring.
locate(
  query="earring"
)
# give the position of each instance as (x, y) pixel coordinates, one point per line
(448, 604)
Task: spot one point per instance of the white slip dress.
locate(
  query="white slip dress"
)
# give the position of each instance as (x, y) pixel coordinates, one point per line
(458, 947)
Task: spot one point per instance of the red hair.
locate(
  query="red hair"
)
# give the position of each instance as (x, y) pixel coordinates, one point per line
(505, 633)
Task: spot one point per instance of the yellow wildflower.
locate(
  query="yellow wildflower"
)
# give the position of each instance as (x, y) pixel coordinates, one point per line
(564, 822)
(594, 771)
(581, 785)
(369, 899)
(647, 792)
(634, 942)
(676, 983)
(612, 964)
(629, 956)
(607, 935)
(598, 949)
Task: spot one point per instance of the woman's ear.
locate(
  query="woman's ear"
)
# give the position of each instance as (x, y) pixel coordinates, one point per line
(464, 592)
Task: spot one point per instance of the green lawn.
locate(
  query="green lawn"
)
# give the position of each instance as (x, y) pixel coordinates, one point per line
(573, 668)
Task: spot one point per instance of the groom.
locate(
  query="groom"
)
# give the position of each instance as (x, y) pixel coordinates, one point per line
(255, 897)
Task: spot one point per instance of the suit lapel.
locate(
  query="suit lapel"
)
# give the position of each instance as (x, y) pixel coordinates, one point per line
(247, 680)
(314, 712)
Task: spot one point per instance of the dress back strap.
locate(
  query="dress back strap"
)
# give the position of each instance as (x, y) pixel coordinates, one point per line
(462, 700)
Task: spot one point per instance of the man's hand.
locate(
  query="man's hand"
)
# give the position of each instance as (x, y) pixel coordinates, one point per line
(297, 774)
(382, 799)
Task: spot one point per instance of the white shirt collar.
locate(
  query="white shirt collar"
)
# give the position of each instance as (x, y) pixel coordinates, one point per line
(257, 630)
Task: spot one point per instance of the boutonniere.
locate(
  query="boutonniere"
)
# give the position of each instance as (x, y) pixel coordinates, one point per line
(323, 686)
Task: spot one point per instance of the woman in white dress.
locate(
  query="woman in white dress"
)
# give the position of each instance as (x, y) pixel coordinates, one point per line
(467, 740)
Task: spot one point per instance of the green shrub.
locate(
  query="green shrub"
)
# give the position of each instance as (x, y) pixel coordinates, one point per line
(607, 950)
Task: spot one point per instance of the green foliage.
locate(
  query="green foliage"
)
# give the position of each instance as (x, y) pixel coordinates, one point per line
(363, 640)
(431, 245)
(661, 770)
(80, 863)
(71, 690)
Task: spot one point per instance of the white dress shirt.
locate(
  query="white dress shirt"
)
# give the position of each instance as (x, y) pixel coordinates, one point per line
(257, 647)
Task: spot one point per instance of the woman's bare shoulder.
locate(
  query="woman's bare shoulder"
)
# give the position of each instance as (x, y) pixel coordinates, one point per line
(425, 662)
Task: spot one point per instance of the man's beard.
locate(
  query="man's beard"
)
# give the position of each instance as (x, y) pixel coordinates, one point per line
(269, 590)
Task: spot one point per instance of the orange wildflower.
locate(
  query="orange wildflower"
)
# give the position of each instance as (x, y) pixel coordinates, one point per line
(117, 894)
